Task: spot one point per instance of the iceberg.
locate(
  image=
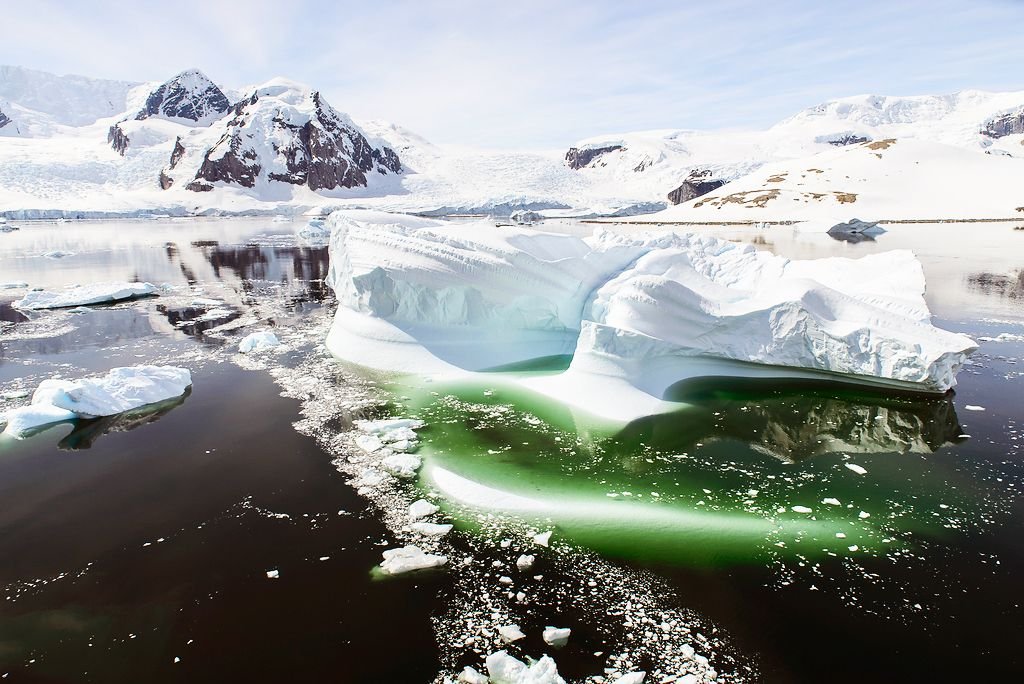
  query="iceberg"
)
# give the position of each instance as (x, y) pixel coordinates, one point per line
(120, 390)
(82, 295)
(638, 314)
(263, 340)
(506, 669)
(409, 558)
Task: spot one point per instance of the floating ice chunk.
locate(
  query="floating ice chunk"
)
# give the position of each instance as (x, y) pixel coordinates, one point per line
(632, 678)
(409, 558)
(525, 562)
(856, 468)
(471, 676)
(863, 515)
(22, 421)
(505, 669)
(542, 539)
(974, 407)
(556, 636)
(97, 293)
(388, 424)
(831, 502)
(401, 465)
(13, 286)
(258, 342)
(401, 433)
(800, 509)
(510, 633)
(421, 508)
(430, 529)
(57, 254)
(120, 390)
(273, 574)
(369, 443)
(15, 394)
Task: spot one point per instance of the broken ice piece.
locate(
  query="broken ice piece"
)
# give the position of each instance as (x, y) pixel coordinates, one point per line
(273, 574)
(525, 562)
(543, 538)
(556, 636)
(471, 676)
(430, 529)
(409, 558)
(421, 508)
(510, 633)
(401, 465)
(856, 468)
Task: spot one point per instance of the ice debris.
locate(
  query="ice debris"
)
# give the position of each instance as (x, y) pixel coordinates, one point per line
(421, 508)
(258, 342)
(409, 558)
(556, 636)
(81, 295)
(505, 669)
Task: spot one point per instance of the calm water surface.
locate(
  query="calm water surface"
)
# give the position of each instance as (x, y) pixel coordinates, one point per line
(128, 544)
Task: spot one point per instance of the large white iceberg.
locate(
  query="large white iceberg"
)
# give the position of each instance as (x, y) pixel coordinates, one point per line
(639, 313)
(82, 295)
(120, 390)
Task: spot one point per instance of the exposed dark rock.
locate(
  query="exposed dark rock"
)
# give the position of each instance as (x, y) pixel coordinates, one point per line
(117, 139)
(165, 181)
(579, 157)
(199, 186)
(324, 152)
(177, 153)
(189, 95)
(847, 139)
(1011, 123)
(698, 183)
(4, 119)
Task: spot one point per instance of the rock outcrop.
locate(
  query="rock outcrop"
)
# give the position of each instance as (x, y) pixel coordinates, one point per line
(4, 119)
(189, 96)
(843, 139)
(580, 157)
(287, 135)
(699, 182)
(1011, 123)
(118, 139)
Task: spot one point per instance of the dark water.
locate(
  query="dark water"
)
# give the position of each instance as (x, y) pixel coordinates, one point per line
(92, 594)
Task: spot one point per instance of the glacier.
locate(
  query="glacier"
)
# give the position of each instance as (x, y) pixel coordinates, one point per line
(638, 313)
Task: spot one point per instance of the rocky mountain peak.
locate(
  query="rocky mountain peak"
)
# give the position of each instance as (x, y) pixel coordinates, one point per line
(189, 96)
(285, 133)
(1010, 123)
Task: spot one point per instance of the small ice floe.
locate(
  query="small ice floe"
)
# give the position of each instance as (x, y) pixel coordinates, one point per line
(273, 574)
(388, 425)
(409, 558)
(15, 394)
(556, 636)
(120, 390)
(430, 529)
(632, 678)
(421, 508)
(525, 562)
(801, 509)
(471, 676)
(505, 669)
(258, 342)
(82, 295)
(831, 502)
(57, 254)
(510, 633)
(13, 286)
(369, 443)
(974, 407)
(856, 468)
(542, 539)
(401, 465)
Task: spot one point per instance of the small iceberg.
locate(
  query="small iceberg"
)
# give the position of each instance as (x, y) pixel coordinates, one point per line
(263, 340)
(119, 391)
(409, 558)
(506, 669)
(82, 295)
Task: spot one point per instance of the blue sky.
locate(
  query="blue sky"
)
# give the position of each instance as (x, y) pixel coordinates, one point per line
(540, 74)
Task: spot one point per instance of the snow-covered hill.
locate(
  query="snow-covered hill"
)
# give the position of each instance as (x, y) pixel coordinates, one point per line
(82, 147)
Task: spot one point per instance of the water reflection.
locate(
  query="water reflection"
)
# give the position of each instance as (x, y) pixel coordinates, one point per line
(998, 284)
(86, 432)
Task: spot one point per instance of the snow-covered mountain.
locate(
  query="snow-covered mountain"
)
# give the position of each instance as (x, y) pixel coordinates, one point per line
(75, 146)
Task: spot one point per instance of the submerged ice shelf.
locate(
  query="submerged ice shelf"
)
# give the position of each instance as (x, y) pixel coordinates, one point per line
(639, 314)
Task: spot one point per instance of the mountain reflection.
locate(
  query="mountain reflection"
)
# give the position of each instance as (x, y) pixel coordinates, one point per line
(795, 421)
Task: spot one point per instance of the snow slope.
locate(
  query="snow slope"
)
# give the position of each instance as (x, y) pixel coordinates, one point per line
(639, 313)
(888, 179)
(55, 157)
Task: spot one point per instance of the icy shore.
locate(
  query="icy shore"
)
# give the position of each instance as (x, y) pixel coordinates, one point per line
(639, 313)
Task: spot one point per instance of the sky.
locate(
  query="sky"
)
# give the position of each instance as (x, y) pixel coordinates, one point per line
(532, 74)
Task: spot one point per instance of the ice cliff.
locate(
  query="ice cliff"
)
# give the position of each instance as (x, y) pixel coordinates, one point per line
(639, 313)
